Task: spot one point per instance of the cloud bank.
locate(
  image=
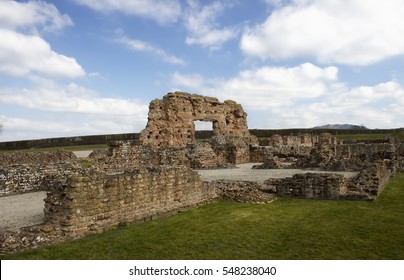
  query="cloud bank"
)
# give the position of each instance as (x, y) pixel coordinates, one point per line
(344, 32)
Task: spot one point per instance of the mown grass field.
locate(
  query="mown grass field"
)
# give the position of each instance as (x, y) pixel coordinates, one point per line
(283, 229)
(68, 148)
(399, 135)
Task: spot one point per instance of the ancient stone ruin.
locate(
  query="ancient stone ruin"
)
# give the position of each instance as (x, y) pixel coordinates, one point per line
(171, 119)
(135, 181)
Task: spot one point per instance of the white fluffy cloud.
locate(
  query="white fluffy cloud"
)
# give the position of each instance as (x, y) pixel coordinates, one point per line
(200, 21)
(160, 11)
(22, 54)
(303, 96)
(142, 46)
(192, 81)
(32, 15)
(347, 32)
(56, 110)
(268, 87)
(70, 99)
(55, 125)
(23, 51)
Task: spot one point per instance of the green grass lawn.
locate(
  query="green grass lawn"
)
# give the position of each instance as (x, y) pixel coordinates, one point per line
(399, 135)
(283, 229)
(68, 148)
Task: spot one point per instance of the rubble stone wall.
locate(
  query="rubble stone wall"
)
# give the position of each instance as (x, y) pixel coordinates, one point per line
(171, 119)
(243, 191)
(373, 179)
(311, 185)
(219, 152)
(18, 179)
(290, 146)
(37, 158)
(34, 171)
(95, 203)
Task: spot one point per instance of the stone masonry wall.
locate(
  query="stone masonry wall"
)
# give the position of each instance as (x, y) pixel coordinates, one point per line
(34, 171)
(218, 152)
(311, 185)
(283, 147)
(18, 179)
(352, 156)
(367, 185)
(37, 158)
(243, 191)
(171, 119)
(372, 179)
(95, 203)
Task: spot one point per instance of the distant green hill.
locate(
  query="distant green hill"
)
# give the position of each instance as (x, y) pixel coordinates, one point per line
(340, 126)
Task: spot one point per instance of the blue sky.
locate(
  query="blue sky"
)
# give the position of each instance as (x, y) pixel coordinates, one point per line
(83, 67)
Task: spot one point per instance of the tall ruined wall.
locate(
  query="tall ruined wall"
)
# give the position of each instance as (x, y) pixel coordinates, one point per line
(95, 203)
(171, 119)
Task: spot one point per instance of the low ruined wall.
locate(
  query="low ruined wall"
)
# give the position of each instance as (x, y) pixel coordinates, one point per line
(26, 172)
(220, 151)
(37, 158)
(373, 179)
(367, 185)
(128, 155)
(18, 179)
(311, 185)
(289, 146)
(243, 191)
(95, 203)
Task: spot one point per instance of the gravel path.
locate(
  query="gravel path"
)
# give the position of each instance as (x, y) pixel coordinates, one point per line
(243, 172)
(27, 209)
(82, 154)
(21, 210)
